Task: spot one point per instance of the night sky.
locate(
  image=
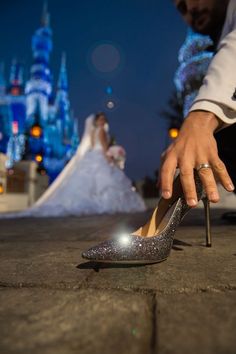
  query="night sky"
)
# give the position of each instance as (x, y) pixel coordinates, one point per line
(136, 40)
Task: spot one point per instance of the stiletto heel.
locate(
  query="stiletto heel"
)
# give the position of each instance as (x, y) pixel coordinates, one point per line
(207, 221)
(152, 242)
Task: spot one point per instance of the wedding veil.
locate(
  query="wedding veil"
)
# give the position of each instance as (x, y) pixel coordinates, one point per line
(85, 143)
(83, 147)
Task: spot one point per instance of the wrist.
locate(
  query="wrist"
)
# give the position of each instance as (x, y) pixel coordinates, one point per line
(205, 119)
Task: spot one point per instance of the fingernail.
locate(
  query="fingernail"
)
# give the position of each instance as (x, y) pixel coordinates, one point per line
(230, 187)
(166, 194)
(192, 202)
(214, 197)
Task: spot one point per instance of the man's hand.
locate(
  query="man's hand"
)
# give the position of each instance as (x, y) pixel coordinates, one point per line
(194, 146)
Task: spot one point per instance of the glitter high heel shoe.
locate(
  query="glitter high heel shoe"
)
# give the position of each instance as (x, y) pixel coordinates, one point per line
(151, 243)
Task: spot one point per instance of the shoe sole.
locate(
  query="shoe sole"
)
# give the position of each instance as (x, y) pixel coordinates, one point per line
(127, 262)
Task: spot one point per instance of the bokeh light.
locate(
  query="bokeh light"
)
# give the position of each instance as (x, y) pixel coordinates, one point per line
(36, 131)
(110, 104)
(109, 90)
(39, 158)
(106, 57)
(173, 133)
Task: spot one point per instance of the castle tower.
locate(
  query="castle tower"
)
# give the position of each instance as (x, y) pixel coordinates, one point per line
(62, 103)
(16, 97)
(39, 87)
(17, 107)
(34, 123)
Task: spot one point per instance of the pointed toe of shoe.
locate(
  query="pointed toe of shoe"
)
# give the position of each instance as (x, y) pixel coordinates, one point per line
(96, 253)
(107, 251)
(89, 254)
(85, 255)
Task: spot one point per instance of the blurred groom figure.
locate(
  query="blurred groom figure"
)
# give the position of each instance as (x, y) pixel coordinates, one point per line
(215, 105)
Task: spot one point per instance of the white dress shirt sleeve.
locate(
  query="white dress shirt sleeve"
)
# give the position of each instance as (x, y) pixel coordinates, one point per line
(216, 95)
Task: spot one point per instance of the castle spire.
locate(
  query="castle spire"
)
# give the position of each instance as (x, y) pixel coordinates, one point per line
(62, 103)
(16, 73)
(63, 80)
(16, 78)
(62, 99)
(45, 15)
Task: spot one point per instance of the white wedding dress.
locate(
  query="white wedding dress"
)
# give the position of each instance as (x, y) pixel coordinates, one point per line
(88, 185)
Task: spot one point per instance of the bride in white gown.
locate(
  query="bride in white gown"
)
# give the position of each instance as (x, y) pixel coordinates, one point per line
(89, 184)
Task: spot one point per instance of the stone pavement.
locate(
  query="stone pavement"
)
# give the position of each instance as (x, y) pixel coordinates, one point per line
(51, 301)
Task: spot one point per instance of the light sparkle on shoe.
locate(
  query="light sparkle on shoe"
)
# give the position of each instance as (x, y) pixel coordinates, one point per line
(124, 239)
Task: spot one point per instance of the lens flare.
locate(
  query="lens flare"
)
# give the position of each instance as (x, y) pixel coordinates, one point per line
(124, 239)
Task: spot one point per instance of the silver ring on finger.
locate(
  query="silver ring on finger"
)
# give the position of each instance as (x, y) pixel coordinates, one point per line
(203, 165)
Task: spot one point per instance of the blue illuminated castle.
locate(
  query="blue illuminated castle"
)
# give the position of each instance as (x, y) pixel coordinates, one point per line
(36, 122)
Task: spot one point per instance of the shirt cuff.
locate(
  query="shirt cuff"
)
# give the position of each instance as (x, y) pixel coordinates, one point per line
(224, 113)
